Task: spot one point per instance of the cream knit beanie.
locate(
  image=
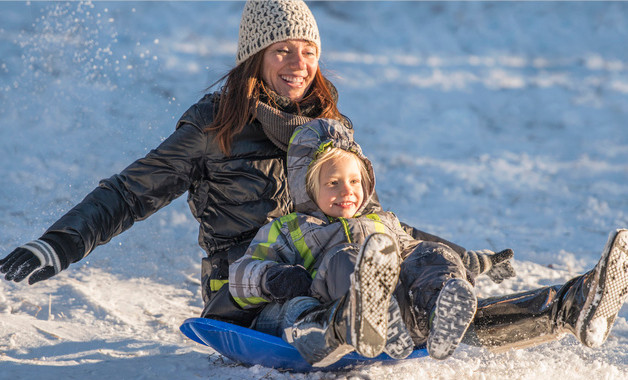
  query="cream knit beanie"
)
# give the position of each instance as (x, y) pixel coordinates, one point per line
(266, 22)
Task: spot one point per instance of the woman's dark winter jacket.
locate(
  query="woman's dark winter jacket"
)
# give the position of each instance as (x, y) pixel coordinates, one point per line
(230, 196)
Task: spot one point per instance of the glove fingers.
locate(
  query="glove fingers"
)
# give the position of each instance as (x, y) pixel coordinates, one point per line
(42, 274)
(9, 259)
(12, 268)
(501, 272)
(508, 269)
(22, 268)
(502, 256)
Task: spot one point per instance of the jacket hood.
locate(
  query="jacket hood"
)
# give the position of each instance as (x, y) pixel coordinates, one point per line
(306, 143)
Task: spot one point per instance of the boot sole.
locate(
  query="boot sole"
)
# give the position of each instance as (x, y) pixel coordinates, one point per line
(374, 280)
(399, 344)
(607, 293)
(455, 308)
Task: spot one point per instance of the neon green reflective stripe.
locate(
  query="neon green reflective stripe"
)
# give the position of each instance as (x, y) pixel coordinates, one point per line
(244, 302)
(299, 240)
(379, 225)
(294, 135)
(215, 285)
(261, 250)
(374, 217)
(345, 226)
(322, 147)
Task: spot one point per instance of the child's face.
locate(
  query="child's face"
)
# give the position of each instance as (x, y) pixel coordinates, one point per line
(340, 193)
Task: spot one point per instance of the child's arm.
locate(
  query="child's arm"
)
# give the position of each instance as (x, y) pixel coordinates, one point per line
(246, 273)
(283, 282)
(265, 273)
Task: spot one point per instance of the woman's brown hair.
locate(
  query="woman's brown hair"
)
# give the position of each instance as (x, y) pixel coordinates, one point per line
(240, 93)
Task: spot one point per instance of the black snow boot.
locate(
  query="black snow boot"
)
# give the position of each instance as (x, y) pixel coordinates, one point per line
(585, 306)
(358, 320)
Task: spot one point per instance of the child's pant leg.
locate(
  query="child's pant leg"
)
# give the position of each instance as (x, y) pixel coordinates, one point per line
(423, 274)
(274, 317)
(332, 279)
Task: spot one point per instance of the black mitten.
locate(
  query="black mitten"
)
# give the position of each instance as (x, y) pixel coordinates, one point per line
(37, 257)
(497, 266)
(283, 282)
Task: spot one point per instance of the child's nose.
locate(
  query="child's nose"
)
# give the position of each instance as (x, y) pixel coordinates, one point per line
(347, 189)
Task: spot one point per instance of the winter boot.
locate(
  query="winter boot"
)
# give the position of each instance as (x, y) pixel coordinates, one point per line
(453, 313)
(358, 320)
(318, 334)
(424, 274)
(585, 306)
(399, 343)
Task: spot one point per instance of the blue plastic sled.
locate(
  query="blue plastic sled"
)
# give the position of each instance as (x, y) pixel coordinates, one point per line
(252, 347)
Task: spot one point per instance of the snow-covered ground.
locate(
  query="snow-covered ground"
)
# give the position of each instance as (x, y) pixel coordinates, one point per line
(491, 124)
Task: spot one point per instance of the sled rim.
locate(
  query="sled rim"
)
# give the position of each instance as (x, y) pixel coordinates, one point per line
(228, 340)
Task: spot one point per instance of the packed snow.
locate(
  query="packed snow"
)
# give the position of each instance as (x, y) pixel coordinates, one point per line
(494, 125)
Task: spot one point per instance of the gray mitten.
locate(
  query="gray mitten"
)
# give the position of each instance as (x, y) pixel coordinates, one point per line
(497, 266)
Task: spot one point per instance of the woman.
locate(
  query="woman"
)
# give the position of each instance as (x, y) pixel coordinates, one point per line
(227, 152)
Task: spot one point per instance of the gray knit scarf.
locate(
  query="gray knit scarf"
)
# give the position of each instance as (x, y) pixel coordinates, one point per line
(278, 115)
(278, 125)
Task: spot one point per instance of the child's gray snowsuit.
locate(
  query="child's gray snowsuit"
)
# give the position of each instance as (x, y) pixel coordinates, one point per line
(327, 246)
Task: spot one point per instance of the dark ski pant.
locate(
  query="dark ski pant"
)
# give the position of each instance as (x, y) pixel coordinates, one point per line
(423, 274)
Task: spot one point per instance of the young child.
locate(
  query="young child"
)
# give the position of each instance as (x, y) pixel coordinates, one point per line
(327, 272)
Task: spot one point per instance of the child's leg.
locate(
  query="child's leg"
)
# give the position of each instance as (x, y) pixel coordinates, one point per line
(333, 277)
(357, 320)
(333, 280)
(274, 317)
(437, 302)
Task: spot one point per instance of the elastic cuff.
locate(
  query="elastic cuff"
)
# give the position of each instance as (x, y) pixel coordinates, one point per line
(263, 288)
(63, 245)
(45, 253)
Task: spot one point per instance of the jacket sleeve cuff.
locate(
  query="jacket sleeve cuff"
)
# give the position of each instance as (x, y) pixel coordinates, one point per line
(67, 248)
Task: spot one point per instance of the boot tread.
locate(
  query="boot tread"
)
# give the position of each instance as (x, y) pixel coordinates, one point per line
(375, 278)
(455, 308)
(608, 292)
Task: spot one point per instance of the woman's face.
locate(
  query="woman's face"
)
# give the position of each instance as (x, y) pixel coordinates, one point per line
(289, 67)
